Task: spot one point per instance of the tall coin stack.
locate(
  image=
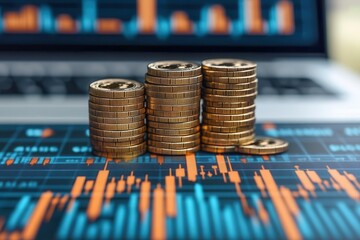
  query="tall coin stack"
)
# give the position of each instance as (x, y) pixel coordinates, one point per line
(117, 118)
(229, 92)
(173, 93)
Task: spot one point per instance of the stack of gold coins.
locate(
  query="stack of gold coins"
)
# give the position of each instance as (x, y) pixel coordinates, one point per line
(229, 92)
(117, 118)
(173, 93)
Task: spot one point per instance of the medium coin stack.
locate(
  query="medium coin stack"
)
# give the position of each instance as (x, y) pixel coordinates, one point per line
(173, 93)
(117, 118)
(229, 92)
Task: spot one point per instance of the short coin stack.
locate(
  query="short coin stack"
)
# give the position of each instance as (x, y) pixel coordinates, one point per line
(173, 93)
(117, 118)
(229, 92)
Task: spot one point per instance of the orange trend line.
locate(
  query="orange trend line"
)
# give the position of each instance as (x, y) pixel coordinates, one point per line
(158, 230)
(33, 225)
(95, 203)
(144, 202)
(288, 223)
(170, 189)
(191, 167)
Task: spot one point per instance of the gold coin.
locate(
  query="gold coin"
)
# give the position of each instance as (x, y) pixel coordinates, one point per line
(231, 80)
(264, 146)
(117, 102)
(118, 144)
(161, 113)
(172, 108)
(229, 92)
(125, 149)
(174, 69)
(174, 126)
(209, 73)
(108, 108)
(221, 129)
(116, 88)
(228, 142)
(117, 127)
(122, 156)
(165, 151)
(247, 98)
(229, 110)
(174, 132)
(116, 114)
(117, 120)
(140, 136)
(236, 135)
(182, 101)
(219, 104)
(217, 149)
(227, 65)
(173, 88)
(165, 138)
(239, 123)
(172, 119)
(173, 81)
(172, 145)
(232, 117)
(117, 134)
(188, 94)
(230, 86)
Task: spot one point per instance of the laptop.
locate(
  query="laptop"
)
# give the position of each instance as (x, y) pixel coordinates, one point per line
(53, 187)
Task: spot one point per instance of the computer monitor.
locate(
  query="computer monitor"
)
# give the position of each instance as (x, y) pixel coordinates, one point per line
(157, 25)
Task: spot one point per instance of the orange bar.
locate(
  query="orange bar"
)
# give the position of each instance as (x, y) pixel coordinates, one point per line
(222, 165)
(314, 177)
(263, 214)
(63, 201)
(89, 161)
(33, 225)
(255, 23)
(170, 190)
(158, 230)
(181, 23)
(33, 161)
(47, 132)
(288, 223)
(286, 11)
(191, 167)
(95, 203)
(146, 11)
(12, 22)
(88, 186)
(260, 184)
(46, 161)
(352, 178)
(66, 24)
(305, 181)
(289, 200)
(15, 235)
(130, 180)
(110, 190)
(345, 184)
(29, 15)
(78, 186)
(219, 22)
(144, 201)
(234, 176)
(109, 26)
(180, 173)
(121, 185)
(52, 207)
(9, 162)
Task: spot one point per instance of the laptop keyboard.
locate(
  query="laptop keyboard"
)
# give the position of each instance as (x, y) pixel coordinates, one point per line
(79, 86)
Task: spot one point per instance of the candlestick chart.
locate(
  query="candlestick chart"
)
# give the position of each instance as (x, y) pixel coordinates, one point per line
(52, 187)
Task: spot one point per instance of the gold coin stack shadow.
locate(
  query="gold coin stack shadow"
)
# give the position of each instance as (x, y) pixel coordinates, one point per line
(117, 118)
(173, 93)
(229, 92)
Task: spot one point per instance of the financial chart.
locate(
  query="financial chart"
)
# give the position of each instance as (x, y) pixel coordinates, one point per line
(52, 187)
(160, 22)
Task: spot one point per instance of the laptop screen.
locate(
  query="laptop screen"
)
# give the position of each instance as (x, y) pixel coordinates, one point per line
(213, 25)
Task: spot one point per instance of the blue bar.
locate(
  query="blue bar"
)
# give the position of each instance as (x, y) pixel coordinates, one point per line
(350, 217)
(203, 214)
(314, 220)
(239, 25)
(163, 28)
(119, 222)
(145, 227)
(92, 231)
(89, 15)
(105, 232)
(191, 218)
(67, 222)
(304, 226)
(274, 219)
(255, 221)
(108, 210)
(79, 226)
(216, 216)
(1, 29)
(202, 26)
(130, 28)
(326, 219)
(241, 222)
(170, 228)
(27, 214)
(340, 222)
(273, 25)
(229, 223)
(132, 216)
(46, 21)
(180, 227)
(18, 213)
